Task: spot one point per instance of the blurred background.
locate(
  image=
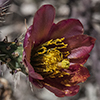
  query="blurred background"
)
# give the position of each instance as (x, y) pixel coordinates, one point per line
(17, 87)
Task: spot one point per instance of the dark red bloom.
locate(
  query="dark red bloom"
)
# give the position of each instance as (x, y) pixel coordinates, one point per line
(55, 53)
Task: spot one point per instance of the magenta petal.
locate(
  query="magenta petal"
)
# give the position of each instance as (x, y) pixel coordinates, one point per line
(80, 52)
(80, 46)
(27, 36)
(32, 73)
(66, 28)
(79, 41)
(81, 73)
(28, 43)
(35, 82)
(80, 60)
(67, 91)
(72, 90)
(42, 23)
(55, 90)
(27, 52)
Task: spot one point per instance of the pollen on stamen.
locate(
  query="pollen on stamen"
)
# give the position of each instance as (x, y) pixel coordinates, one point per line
(50, 59)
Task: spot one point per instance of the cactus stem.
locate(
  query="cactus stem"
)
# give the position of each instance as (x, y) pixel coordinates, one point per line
(11, 54)
(8, 60)
(8, 48)
(15, 54)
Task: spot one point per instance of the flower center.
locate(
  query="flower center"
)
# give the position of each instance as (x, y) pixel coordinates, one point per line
(48, 60)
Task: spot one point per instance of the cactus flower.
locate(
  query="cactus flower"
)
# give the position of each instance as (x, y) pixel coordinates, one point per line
(54, 54)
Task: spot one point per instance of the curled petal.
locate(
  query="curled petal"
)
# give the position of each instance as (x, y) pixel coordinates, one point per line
(80, 46)
(66, 28)
(80, 60)
(80, 52)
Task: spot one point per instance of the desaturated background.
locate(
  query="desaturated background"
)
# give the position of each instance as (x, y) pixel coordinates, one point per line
(17, 87)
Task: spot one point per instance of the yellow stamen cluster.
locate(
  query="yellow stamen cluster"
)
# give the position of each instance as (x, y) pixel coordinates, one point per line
(53, 60)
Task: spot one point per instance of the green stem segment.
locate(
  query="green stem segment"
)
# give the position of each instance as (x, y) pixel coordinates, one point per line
(11, 54)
